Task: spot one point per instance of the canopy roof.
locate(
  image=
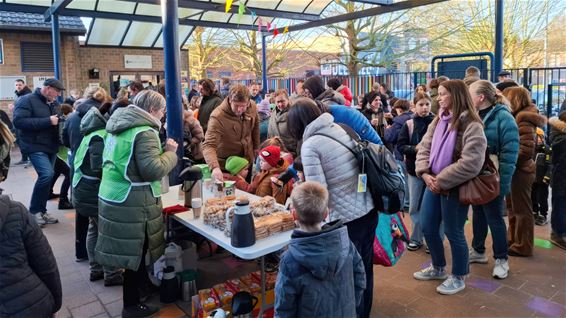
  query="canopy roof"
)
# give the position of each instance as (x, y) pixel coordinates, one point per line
(137, 23)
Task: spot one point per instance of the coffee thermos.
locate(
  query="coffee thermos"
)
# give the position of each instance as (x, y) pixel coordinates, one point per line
(242, 226)
(169, 289)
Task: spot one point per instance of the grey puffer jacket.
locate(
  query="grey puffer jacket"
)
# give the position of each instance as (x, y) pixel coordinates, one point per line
(321, 275)
(30, 285)
(331, 164)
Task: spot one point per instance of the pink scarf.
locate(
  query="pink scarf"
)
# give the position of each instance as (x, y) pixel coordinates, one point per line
(443, 144)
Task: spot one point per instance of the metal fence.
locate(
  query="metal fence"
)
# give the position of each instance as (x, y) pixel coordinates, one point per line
(537, 80)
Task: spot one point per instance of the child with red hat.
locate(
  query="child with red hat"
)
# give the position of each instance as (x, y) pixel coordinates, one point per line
(271, 165)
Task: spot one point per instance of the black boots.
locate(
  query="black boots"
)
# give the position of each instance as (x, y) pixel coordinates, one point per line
(65, 204)
(139, 311)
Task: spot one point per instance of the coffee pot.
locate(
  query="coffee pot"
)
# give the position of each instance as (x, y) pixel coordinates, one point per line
(192, 184)
(242, 226)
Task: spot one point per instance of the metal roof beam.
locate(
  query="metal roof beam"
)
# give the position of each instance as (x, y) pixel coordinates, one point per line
(220, 7)
(378, 2)
(124, 17)
(398, 6)
(55, 8)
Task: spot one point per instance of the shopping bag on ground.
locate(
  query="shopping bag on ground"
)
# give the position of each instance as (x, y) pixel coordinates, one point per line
(391, 239)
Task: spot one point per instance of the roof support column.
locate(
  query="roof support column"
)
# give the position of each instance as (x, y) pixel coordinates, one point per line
(170, 18)
(56, 42)
(264, 64)
(498, 65)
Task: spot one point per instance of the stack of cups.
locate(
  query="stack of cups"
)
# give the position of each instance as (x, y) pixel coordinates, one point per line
(196, 204)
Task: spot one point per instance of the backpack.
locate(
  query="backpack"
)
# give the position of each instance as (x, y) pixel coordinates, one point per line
(384, 177)
(391, 239)
(542, 156)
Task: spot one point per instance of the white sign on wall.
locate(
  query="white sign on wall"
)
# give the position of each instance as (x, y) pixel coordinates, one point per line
(38, 81)
(137, 61)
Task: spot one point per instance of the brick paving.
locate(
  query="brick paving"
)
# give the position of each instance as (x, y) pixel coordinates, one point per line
(536, 286)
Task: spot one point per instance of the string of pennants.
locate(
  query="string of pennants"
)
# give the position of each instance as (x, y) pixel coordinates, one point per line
(267, 26)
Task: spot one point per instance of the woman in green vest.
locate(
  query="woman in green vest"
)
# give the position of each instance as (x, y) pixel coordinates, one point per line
(129, 215)
(86, 182)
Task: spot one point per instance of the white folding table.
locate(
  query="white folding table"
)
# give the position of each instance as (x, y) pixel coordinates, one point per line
(261, 248)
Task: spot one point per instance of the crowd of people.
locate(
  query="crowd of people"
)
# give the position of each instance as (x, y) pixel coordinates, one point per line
(113, 153)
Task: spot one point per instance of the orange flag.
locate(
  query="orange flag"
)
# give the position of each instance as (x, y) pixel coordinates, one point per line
(286, 30)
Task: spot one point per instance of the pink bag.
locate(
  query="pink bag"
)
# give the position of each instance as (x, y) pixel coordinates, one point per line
(391, 239)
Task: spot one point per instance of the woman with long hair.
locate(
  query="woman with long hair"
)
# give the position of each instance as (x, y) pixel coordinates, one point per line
(521, 221)
(503, 143)
(450, 154)
(6, 143)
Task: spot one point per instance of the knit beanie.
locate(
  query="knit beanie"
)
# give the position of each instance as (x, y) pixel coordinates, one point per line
(235, 164)
(264, 107)
(271, 154)
(315, 85)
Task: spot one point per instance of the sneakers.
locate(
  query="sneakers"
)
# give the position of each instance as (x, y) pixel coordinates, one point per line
(427, 250)
(451, 286)
(139, 310)
(541, 220)
(413, 246)
(64, 204)
(557, 240)
(430, 273)
(22, 162)
(43, 218)
(501, 268)
(476, 257)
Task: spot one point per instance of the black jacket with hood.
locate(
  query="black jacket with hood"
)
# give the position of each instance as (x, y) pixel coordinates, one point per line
(72, 135)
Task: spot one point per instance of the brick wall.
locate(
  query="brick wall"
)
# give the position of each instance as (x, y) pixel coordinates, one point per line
(76, 60)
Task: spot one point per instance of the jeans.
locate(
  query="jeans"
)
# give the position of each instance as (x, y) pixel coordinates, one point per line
(490, 214)
(416, 191)
(43, 164)
(362, 232)
(558, 215)
(91, 239)
(437, 208)
(61, 168)
(403, 166)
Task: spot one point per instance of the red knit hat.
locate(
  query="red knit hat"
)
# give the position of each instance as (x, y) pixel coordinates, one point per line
(271, 154)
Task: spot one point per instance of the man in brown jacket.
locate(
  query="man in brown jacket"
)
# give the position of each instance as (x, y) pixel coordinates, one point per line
(233, 130)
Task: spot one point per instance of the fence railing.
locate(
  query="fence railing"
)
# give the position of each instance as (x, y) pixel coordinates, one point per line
(404, 84)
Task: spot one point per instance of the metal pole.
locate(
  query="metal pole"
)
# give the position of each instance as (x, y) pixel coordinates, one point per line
(264, 64)
(170, 18)
(56, 42)
(498, 65)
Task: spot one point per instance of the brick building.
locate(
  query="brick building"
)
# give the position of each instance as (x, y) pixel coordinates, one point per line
(27, 54)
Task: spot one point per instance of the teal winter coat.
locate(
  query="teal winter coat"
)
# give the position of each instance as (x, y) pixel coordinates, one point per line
(502, 136)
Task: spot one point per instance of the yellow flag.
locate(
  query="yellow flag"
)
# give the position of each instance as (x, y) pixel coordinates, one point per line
(228, 5)
(286, 29)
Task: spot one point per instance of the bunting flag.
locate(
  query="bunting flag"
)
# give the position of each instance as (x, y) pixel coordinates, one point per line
(275, 32)
(259, 23)
(241, 10)
(286, 30)
(253, 16)
(268, 26)
(228, 5)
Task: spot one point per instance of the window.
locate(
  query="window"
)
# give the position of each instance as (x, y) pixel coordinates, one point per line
(36, 56)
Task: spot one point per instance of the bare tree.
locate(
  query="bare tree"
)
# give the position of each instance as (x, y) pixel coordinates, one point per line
(206, 50)
(524, 23)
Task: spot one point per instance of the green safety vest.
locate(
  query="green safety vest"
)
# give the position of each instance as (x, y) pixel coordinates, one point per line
(81, 153)
(118, 150)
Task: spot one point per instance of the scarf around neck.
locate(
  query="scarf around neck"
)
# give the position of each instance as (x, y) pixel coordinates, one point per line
(443, 144)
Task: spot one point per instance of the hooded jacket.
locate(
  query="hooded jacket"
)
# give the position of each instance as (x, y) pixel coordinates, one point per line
(278, 126)
(31, 117)
(192, 125)
(558, 142)
(330, 97)
(345, 91)
(230, 135)
(30, 285)
(263, 185)
(72, 136)
(320, 275)
(528, 120)
(335, 167)
(124, 226)
(85, 194)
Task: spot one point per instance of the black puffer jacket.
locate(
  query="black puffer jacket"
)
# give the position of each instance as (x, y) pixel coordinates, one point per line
(30, 285)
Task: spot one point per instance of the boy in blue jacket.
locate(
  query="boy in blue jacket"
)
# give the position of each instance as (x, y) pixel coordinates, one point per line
(322, 272)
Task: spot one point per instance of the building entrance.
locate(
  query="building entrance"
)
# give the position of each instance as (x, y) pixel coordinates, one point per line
(121, 79)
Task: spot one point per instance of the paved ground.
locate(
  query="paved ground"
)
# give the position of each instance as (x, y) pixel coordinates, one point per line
(536, 286)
